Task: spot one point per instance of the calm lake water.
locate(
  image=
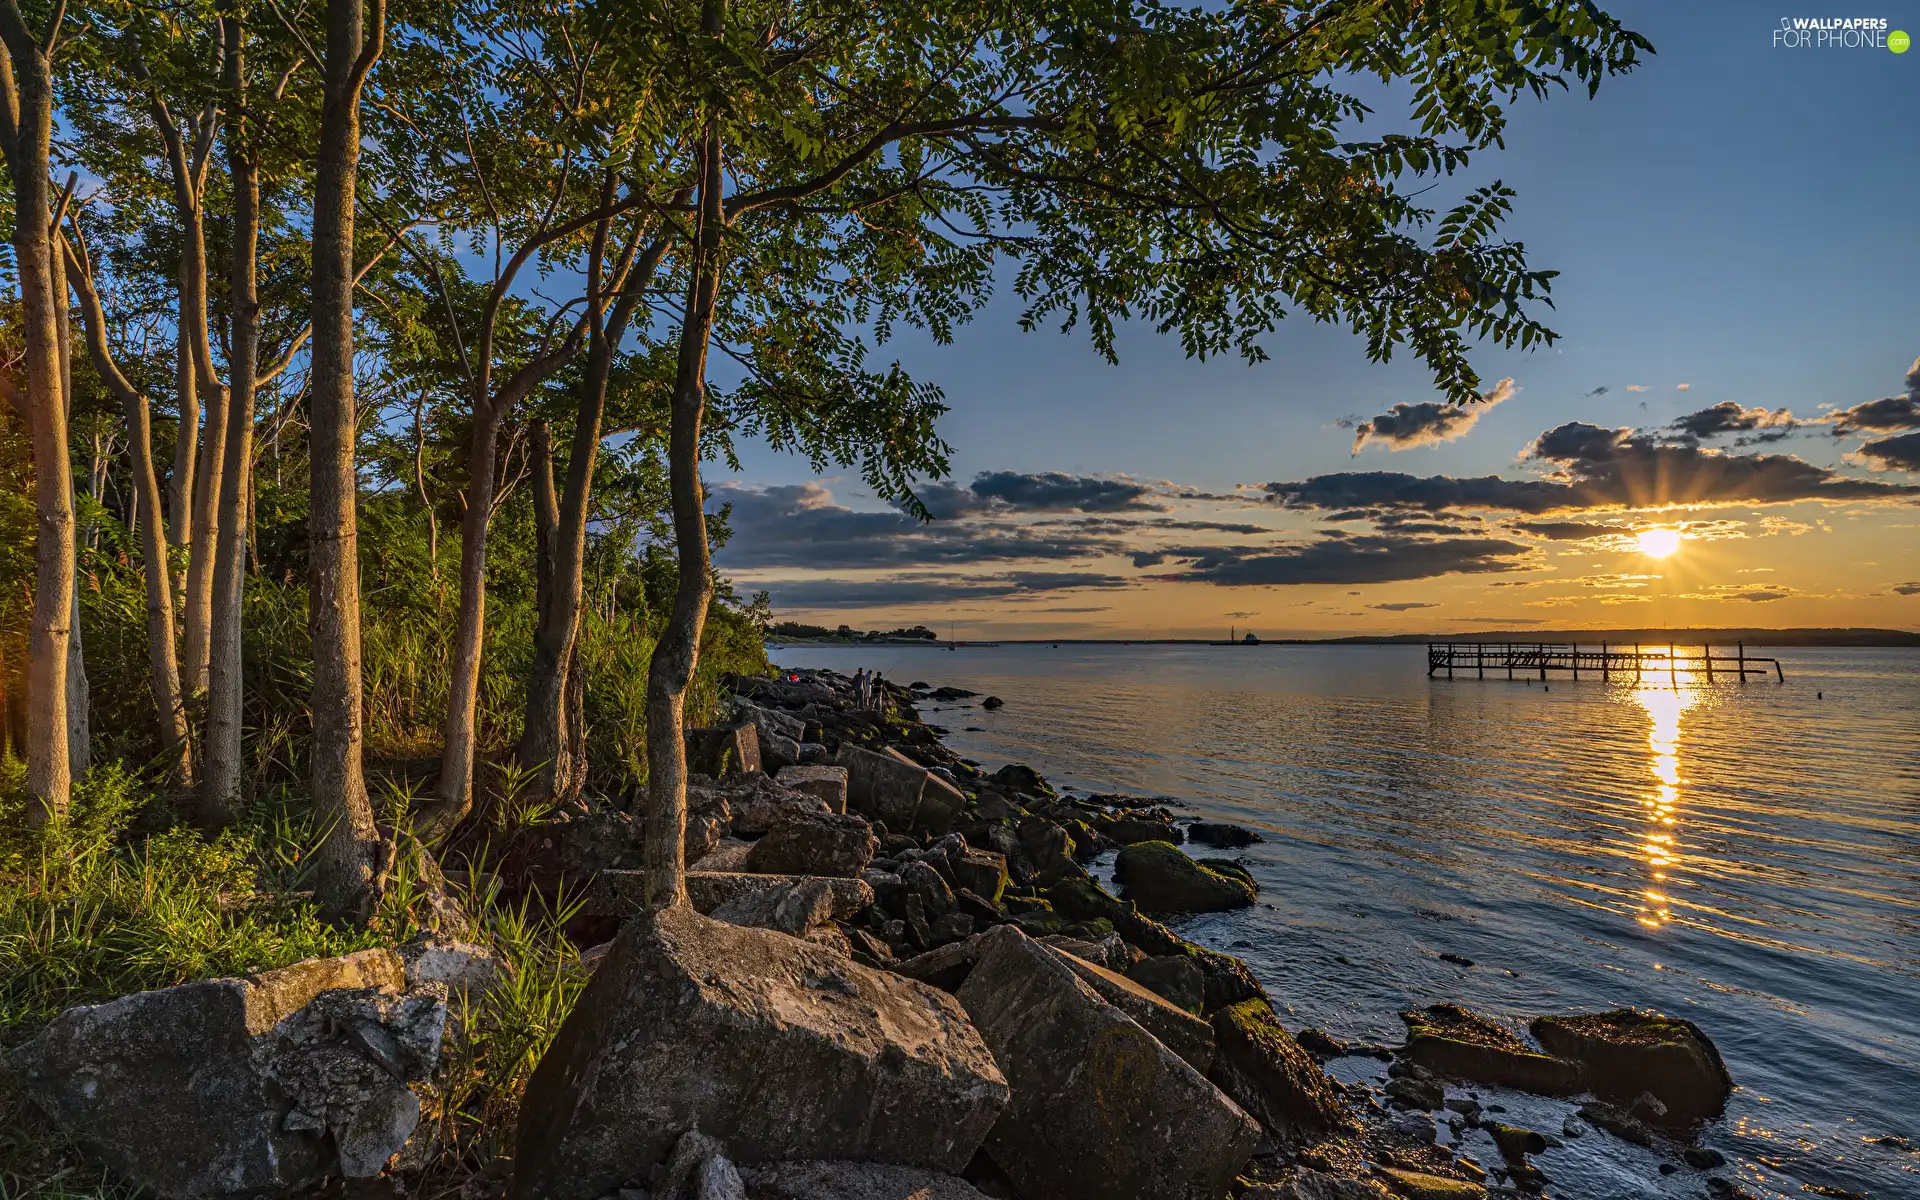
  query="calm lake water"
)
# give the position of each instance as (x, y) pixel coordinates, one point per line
(1746, 857)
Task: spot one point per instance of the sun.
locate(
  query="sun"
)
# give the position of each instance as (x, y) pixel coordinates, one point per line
(1658, 543)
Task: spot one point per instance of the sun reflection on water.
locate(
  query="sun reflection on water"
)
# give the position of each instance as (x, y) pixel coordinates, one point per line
(1664, 706)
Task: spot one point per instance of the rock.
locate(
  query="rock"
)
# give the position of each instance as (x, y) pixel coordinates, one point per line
(237, 1086)
(1175, 1028)
(623, 894)
(1514, 1142)
(1623, 1125)
(1416, 1127)
(940, 803)
(759, 803)
(729, 855)
(1221, 835)
(853, 1181)
(1304, 1183)
(992, 702)
(1624, 1053)
(1425, 1094)
(884, 787)
(1046, 852)
(826, 783)
(928, 884)
(1726, 1189)
(1021, 780)
(1321, 1044)
(776, 1048)
(945, 967)
(1099, 1107)
(777, 752)
(1128, 830)
(839, 844)
(1173, 977)
(1418, 1185)
(1459, 1044)
(1266, 1072)
(723, 750)
(1703, 1158)
(950, 927)
(1159, 878)
(773, 720)
(1227, 979)
(462, 967)
(796, 909)
(981, 872)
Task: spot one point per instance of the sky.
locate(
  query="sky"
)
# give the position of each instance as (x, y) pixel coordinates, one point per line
(1734, 227)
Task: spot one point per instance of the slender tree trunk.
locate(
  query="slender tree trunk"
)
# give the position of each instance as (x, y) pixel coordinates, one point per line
(352, 860)
(553, 686)
(544, 744)
(211, 461)
(677, 653)
(79, 696)
(221, 794)
(27, 78)
(461, 746)
(186, 446)
(162, 666)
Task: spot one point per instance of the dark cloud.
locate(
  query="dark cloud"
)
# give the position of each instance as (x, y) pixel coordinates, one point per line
(801, 526)
(1370, 558)
(904, 590)
(1908, 589)
(1883, 416)
(1595, 468)
(1727, 417)
(1052, 491)
(1566, 531)
(1405, 426)
(1133, 524)
(1900, 453)
(1504, 620)
(1402, 606)
(1149, 558)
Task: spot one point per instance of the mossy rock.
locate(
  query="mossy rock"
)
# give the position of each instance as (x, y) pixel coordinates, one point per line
(1258, 1064)
(1160, 878)
(1460, 1044)
(1418, 1185)
(1040, 922)
(1085, 900)
(1228, 866)
(1626, 1052)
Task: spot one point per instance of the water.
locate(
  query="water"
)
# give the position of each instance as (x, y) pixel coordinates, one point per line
(1746, 857)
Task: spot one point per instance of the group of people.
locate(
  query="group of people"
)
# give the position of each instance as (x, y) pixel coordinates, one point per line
(868, 688)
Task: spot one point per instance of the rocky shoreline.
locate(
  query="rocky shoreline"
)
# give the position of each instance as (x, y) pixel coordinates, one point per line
(897, 981)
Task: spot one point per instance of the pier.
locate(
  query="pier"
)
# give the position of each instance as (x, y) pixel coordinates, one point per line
(1528, 660)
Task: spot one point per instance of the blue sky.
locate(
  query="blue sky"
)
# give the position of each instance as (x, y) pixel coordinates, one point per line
(1733, 216)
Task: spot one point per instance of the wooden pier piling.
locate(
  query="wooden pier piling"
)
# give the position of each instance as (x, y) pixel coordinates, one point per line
(1543, 659)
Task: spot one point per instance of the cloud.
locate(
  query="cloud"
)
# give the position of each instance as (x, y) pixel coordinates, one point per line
(1052, 491)
(800, 525)
(1636, 387)
(1567, 531)
(1369, 558)
(1240, 616)
(1504, 620)
(903, 590)
(1728, 417)
(1428, 423)
(1900, 453)
(1402, 606)
(1908, 589)
(1681, 387)
(1599, 391)
(1594, 468)
(1744, 592)
(1883, 416)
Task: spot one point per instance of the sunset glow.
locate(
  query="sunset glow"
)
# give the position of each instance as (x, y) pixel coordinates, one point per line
(1658, 543)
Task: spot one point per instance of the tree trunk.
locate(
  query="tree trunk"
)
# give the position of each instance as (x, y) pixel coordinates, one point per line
(27, 138)
(553, 687)
(544, 744)
(162, 666)
(352, 860)
(220, 796)
(179, 520)
(677, 653)
(211, 460)
(460, 749)
(79, 726)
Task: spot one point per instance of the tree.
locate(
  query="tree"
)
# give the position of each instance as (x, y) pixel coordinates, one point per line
(353, 859)
(1180, 166)
(26, 129)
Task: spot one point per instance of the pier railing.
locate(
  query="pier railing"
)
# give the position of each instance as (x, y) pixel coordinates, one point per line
(1528, 660)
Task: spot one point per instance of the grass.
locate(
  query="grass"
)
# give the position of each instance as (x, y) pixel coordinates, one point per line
(95, 908)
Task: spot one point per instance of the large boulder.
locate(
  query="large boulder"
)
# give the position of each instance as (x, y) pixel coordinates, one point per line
(1257, 1062)
(723, 750)
(1457, 1043)
(758, 803)
(1177, 1029)
(776, 1048)
(1625, 1053)
(826, 782)
(982, 872)
(815, 844)
(853, 1181)
(1100, 1108)
(1222, 835)
(1159, 878)
(233, 1087)
(890, 787)
(797, 908)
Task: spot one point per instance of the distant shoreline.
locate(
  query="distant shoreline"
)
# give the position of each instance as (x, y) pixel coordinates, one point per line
(1889, 638)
